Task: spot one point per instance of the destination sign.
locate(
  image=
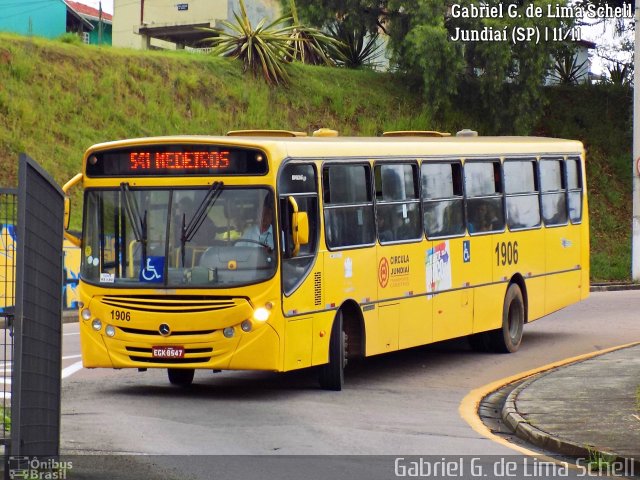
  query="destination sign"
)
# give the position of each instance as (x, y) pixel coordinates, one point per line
(158, 160)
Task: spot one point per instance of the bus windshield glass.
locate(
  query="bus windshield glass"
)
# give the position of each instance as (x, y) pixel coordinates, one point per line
(214, 237)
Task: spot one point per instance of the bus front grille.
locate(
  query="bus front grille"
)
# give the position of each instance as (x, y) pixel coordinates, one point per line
(171, 304)
(138, 331)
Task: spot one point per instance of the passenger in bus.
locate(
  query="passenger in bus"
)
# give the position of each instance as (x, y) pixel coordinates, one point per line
(483, 218)
(385, 234)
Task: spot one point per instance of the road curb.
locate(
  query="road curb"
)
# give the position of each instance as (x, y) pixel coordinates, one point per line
(468, 408)
(613, 287)
(547, 441)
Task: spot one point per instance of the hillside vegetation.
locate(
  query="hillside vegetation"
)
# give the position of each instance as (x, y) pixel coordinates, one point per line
(57, 99)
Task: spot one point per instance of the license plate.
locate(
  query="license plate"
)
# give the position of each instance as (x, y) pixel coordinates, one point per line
(167, 352)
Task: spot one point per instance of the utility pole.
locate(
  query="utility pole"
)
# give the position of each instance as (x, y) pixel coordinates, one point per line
(635, 243)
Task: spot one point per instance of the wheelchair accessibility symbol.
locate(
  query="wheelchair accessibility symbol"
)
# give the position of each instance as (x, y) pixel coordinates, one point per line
(466, 251)
(153, 270)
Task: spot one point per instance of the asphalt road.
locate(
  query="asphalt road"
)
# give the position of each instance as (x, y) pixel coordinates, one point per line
(401, 404)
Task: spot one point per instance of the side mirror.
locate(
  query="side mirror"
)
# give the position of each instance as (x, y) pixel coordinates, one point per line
(302, 229)
(299, 227)
(67, 210)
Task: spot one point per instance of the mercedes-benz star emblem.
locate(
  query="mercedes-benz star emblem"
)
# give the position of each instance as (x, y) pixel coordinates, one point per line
(164, 330)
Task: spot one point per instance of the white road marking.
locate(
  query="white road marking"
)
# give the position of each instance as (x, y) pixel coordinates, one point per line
(72, 333)
(69, 357)
(71, 369)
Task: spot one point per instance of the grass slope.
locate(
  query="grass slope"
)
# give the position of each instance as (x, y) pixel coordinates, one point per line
(57, 99)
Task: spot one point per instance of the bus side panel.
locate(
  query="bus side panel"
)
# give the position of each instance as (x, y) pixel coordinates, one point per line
(474, 260)
(322, 324)
(584, 235)
(535, 293)
(562, 263)
(299, 339)
(382, 333)
(416, 324)
(298, 343)
(402, 275)
(453, 310)
(487, 307)
(351, 275)
(521, 253)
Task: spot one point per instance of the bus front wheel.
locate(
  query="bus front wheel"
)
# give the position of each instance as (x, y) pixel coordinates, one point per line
(332, 374)
(507, 339)
(182, 377)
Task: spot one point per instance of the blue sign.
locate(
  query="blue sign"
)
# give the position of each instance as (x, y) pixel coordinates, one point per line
(153, 270)
(183, 7)
(466, 251)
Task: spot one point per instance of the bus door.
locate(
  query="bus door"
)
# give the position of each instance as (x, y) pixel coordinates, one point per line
(302, 276)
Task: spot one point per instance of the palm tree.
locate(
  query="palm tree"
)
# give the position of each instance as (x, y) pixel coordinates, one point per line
(264, 48)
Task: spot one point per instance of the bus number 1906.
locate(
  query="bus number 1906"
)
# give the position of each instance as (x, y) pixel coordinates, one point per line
(120, 315)
(506, 253)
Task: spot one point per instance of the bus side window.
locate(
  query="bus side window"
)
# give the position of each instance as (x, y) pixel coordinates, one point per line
(574, 187)
(483, 191)
(348, 205)
(521, 189)
(398, 206)
(553, 189)
(442, 199)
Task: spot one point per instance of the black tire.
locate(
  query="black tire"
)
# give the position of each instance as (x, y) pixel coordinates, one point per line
(332, 374)
(183, 377)
(507, 339)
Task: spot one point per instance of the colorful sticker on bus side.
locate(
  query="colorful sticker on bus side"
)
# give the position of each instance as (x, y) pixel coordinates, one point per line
(438, 266)
(8, 247)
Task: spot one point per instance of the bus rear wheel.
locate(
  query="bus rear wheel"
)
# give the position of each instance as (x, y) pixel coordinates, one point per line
(332, 374)
(507, 339)
(183, 377)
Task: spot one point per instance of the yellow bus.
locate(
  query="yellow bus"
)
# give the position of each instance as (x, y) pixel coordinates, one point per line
(273, 250)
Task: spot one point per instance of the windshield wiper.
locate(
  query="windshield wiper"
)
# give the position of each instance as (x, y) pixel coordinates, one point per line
(189, 230)
(138, 223)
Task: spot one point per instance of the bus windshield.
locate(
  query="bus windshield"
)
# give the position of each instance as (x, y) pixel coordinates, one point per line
(210, 237)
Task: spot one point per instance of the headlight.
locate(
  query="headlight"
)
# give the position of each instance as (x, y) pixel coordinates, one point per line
(97, 325)
(246, 326)
(261, 314)
(110, 331)
(85, 314)
(229, 332)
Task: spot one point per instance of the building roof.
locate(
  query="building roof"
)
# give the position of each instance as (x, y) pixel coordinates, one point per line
(88, 12)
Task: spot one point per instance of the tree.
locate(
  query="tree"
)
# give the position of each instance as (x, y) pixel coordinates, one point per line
(266, 48)
(501, 77)
(262, 49)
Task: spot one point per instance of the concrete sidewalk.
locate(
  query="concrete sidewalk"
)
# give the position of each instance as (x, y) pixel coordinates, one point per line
(582, 408)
